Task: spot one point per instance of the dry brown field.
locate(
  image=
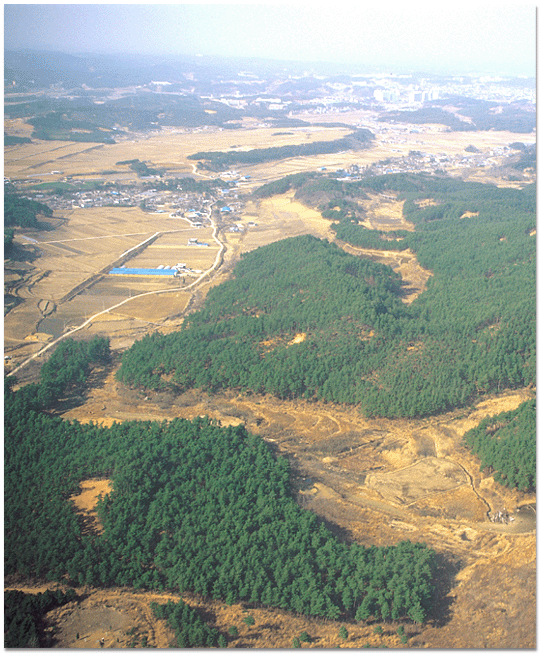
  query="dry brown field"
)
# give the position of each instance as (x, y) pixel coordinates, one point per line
(82, 247)
(374, 481)
(167, 149)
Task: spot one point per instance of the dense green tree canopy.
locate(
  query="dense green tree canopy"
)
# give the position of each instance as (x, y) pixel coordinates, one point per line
(194, 507)
(20, 211)
(471, 332)
(507, 444)
(219, 160)
(24, 617)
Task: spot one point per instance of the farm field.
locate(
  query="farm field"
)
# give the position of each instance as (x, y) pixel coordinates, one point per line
(373, 481)
(170, 148)
(66, 283)
(167, 149)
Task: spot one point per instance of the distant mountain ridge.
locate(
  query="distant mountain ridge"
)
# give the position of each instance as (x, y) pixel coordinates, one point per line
(47, 68)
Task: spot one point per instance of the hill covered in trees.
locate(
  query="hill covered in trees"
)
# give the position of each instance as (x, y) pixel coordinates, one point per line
(20, 212)
(471, 332)
(481, 114)
(23, 212)
(194, 507)
(23, 617)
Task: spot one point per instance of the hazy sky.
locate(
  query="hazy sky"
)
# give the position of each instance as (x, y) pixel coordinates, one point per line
(462, 37)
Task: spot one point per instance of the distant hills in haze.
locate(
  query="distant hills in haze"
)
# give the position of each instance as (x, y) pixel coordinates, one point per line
(36, 69)
(84, 96)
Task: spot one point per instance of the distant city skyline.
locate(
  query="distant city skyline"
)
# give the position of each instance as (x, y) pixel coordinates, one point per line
(492, 39)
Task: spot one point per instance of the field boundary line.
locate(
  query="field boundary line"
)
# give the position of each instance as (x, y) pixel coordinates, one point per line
(87, 322)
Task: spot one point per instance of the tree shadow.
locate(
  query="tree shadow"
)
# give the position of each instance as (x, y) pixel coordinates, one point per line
(267, 625)
(17, 253)
(406, 290)
(441, 603)
(77, 396)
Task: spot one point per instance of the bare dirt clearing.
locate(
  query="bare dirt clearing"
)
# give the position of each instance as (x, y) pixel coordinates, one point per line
(280, 217)
(405, 263)
(123, 619)
(86, 501)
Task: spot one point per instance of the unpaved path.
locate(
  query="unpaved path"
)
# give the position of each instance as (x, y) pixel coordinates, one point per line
(405, 263)
(487, 585)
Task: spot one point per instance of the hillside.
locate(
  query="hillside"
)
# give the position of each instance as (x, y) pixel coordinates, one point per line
(301, 318)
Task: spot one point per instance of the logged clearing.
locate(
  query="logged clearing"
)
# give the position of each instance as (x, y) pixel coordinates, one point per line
(122, 618)
(405, 263)
(280, 217)
(85, 503)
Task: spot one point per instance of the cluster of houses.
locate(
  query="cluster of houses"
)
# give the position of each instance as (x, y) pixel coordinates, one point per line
(192, 206)
(417, 162)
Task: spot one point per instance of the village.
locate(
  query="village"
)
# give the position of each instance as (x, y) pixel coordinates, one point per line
(193, 207)
(151, 196)
(417, 161)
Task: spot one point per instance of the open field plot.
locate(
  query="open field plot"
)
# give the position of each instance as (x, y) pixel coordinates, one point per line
(170, 147)
(269, 171)
(392, 142)
(395, 140)
(426, 477)
(17, 127)
(63, 287)
(126, 290)
(166, 149)
(106, 223)
(86, 243)
(43, 157)
(433, 136)
(456, 142)
(158, 309)
(172, 248)
(384, 213)
(280, 217)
